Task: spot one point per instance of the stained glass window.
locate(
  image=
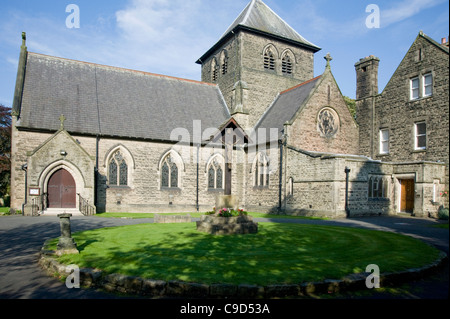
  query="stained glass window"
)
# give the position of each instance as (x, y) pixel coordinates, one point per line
(123, 174)
(174, 175)
(219, 177)
(211, 174)
(215, 175)
(118, 170)
(169, 173)
(165, 175)
(112, 173)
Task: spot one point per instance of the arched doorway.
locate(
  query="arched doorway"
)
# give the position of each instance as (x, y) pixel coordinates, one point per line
(61, 190)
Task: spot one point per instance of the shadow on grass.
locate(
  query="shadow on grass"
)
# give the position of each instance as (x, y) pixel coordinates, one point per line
(278, 254)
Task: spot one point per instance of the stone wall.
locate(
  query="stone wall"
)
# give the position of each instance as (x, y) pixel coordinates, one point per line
(245, 63)
(394, 110)
(304, 132)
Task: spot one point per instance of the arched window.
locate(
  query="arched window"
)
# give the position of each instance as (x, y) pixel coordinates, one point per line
(118, 170)
(291, 187)
(169, 173)
(286, 64)
(215, 175)
(224, 62)
(269, 60)
(214, 70)
(261, 173)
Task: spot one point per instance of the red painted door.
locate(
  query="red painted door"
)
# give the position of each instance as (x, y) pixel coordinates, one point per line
(61, 190)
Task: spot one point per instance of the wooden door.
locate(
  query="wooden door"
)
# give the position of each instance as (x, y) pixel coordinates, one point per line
(407, 195)
(61, 190)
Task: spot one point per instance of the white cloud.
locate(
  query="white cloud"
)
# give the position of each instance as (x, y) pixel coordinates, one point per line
(405, 9)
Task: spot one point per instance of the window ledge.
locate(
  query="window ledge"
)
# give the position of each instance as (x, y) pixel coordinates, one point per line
(419, 150)
(119, 187)
(174, 189)
(216, 190)
(420, 98)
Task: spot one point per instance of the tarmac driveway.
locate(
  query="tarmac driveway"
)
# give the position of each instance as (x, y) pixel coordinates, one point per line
(21, 238)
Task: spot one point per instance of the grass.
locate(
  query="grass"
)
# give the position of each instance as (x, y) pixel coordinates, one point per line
(279, 253)
(4, 211)
(152, 215)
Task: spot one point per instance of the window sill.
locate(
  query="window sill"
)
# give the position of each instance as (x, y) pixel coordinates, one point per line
(174, 189)
(119, 187)
(383, 154)
(420, 150)
(420, 98)
(216, 190)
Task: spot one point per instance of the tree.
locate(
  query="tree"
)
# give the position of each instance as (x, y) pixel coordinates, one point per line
(5, 150)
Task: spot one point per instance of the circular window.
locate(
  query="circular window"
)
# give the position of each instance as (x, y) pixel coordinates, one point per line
(328, 122)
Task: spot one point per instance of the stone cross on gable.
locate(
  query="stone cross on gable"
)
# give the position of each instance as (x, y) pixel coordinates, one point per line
(62, 119)
(328, 58)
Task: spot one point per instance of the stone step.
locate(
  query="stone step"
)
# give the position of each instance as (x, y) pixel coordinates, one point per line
(57, 211)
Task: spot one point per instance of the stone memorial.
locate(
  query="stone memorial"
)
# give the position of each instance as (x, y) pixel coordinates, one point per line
(66, 244)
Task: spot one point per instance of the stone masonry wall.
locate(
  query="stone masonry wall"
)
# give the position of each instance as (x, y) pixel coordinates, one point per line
(304, 132)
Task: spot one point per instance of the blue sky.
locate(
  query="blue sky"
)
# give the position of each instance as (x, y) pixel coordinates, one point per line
(168, 36)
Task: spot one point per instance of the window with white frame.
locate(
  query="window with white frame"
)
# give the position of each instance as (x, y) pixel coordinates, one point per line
(428, 84)
(384, 141)
(415, 88)
(420, 139)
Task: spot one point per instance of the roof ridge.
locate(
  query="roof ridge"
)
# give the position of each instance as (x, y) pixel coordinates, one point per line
(126, 69)
(301, 84)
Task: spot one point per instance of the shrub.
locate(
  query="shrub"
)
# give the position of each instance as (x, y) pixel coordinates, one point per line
(443, 213)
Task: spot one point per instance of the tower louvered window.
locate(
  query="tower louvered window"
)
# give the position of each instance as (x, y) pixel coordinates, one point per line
(286, 65)
(269, 60)
(214, 70)
(225, 65)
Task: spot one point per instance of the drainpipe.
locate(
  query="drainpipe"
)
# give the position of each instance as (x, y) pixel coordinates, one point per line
(198, 149)
(347, 210)
(97, 141)
(280, 185)
(25, 169)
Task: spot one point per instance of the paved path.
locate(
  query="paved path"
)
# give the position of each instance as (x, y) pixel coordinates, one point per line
(22, 237)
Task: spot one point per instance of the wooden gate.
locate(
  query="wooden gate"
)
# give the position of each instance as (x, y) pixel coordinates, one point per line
(61, 190)
(407, 195)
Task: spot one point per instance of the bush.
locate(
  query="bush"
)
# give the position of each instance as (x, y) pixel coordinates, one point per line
(443, 213)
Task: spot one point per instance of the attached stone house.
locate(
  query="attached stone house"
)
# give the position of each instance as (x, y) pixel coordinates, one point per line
(259, 125)
(409, 120)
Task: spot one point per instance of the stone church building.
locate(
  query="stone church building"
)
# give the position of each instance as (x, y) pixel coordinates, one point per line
(260, 126)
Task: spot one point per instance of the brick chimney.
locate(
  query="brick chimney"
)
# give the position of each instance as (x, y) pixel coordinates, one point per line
(444, 41)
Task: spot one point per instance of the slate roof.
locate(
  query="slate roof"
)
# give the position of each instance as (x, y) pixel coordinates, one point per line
(115, 102)
(257, 16)
(285, 107)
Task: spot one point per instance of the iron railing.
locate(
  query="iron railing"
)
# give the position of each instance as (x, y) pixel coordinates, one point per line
(39, 204)
(85, 208)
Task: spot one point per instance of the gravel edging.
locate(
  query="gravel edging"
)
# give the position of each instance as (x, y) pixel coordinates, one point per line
(95, 278)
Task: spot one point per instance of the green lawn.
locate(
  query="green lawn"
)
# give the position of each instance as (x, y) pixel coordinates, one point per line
(151, 215)
(279, 253)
